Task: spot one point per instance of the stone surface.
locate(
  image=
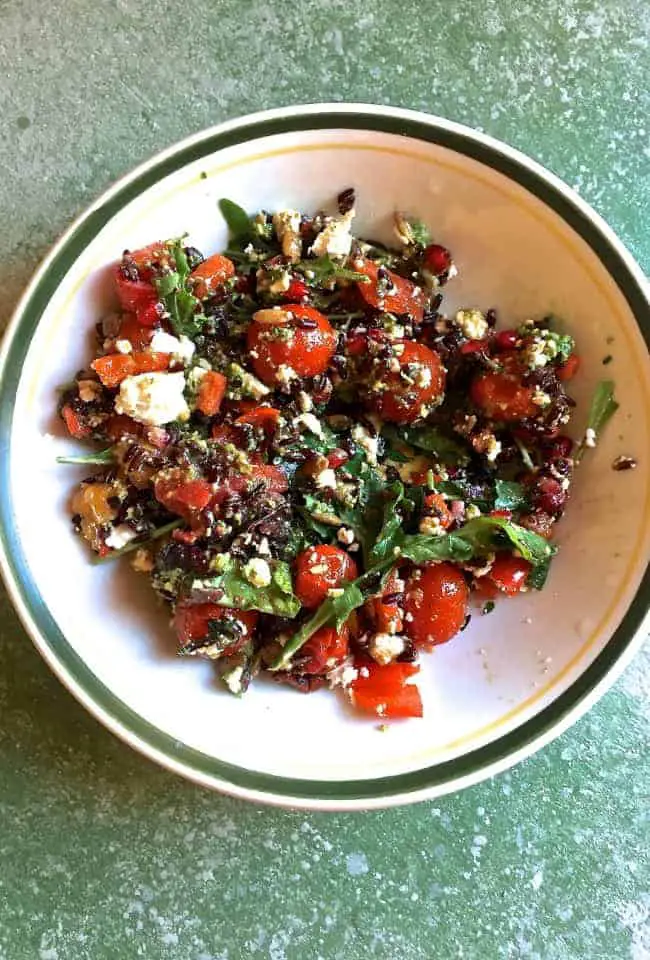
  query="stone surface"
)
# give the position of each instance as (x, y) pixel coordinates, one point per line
(104, 855)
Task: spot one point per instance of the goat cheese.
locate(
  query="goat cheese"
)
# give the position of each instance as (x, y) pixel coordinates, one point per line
(367, 443)
(310, 422)
(472, 323)
(335, 239)
(120, 536)
(385, 647)
(326, 479)
(153, 398)
(287, 227)
(181, 349)
(258, 572)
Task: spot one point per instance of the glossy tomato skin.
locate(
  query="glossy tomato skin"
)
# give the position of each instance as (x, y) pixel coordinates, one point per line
(324, 650)
(191, 623)
(134, 276)
(384, 691)
(296, 337)
(501, 395)
(389, 292)
(401, 401)
(210, 275)
(319, 569)
(436, 599)
(509, 574)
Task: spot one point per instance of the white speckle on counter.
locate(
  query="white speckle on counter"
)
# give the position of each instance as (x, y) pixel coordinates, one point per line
(634, 915)
(538, 879)
(357, 864)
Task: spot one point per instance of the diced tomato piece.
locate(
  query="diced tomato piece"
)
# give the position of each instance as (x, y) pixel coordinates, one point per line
(191, 622)
(148, 260)
(116, 367)
(149, 315)
(296, 337)
(210, 275)
(195, 494)
(134, 295)
(260, 418)
(119, 425)
(384, 692)
(337, 457)
(435, 505)
(324, 650)
(223, 433)
(404, 296)
(138, 335)
(568, 369)
(182, 496)
(297, 291)
(436, 599)
(319, 569)
(387, 616)
(212, 389)
(274, 479)
(436, 259)
(76, 428)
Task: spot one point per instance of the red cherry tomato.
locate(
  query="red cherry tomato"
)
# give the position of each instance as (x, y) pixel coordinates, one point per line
(296, 336)
(384, 692)
(436, 598)
(319, 569)
(436, 259)
(191, 622)
(386, 615)
(402, 295)
(419, 383)
(210, 275)
(260, 418)
(212, 389)
(501, 395)
(324, 650)
(509, 573)
(568, 369)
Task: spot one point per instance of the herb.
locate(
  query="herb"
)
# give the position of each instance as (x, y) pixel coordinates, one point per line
(137, 543)
(238, 221)
(485, 534)
(183, 307)
(234, 590)
(431, 440)
(510, 495)
(603, 408)
(324, 268)
(392, 497)
(222, 633)
(525, 455)
(97, 457)
(413, 233)
(608, 359)
(488, 607)
(538, 574)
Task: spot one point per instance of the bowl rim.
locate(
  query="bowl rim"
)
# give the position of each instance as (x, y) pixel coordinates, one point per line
(424, 783)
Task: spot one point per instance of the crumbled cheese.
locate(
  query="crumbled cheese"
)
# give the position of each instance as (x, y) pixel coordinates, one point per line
(310, 422)
(287, 228)
(305, 402)
(472, 512)
(123, 346)
(181, 349)
(89, 390)
(394, 365)
(345, 536)
(194, 377)
(385, 647)
(472, 323)
(590, 437)
(264, 548)
(326, 479)
(535, 354)
(335, 239)
(422, 377)
(233, 678)
(493, 448)
(431, 527)
(120, 536)
(367, 442)
(285, 375)
(153, 398)
(143, 561)
(258, 572)
(343, 674)
(540, 398)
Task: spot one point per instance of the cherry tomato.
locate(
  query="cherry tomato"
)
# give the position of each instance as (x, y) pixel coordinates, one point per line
(138, 335)
(505, 340)
(297, 337)
(501, 395)
(402, 296)
(191, 622)
(212, 389)
(384, 692)
(324, 650)
(210, 275)
(419, 383)
(568, 369)
(116, 367)
(76, 428)
(509, 573)
(319, 569)
(260, 418)
(436, 598)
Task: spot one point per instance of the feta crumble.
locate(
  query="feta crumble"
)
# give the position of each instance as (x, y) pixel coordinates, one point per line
(385, 647)
(120, 536)
(258, 572)
(287, 227)
(472, 323)
(153, 398)
(335, 239)
(181, 349)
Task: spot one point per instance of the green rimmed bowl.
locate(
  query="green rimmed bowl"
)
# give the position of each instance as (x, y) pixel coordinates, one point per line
(511, 682)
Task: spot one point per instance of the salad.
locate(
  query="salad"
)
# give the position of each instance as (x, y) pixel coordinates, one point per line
(318, 468)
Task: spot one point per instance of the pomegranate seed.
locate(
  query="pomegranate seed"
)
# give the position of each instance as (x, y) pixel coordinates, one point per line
(149, 316)
(437, 259)
(549, 496)
(337, 457)
(505, 340)
(297, 291)
(561, 447)
(472, 346)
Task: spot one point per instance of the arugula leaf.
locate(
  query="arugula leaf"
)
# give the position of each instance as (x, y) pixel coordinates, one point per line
(391, 523)
(429, 439)
(413, 233)
(183, 307)
(238, 221)
(510, 495)
(603, 407)
(462, 488)
(324, 268)
(93, 457)
(230, 588)
(537, 576)
(137, 543)
(480, 534)
(222, 634)
(422, 549)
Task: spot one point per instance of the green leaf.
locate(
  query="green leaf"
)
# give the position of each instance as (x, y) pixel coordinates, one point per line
(230, 588)
(483, 535)
(412, 232)
(321, 269)
(137, 543)
(98, 457)
(603, 407)
(537, 576)
(510, 495)
(238, 221)
(391, 522)
(422, 549)
(429, 439)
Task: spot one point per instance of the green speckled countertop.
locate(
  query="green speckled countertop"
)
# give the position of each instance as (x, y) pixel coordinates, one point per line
(102, 855)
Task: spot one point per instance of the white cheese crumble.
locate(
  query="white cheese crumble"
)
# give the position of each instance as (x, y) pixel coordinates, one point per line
(343, 674)
(285, 375)
(590, 437)
(258, 572)
(233, 678)
(287, 227)
(89, 390)
(153, 398)
(368, 443)
(493, 449)
(335, 239)
(345, 536)
(181, 349)
(123, 346)
(472, 323)
(310, 422)
(326, 479)
(431, 527)
(385, 647)
(305, 402)
(120, 536)
(472, 512)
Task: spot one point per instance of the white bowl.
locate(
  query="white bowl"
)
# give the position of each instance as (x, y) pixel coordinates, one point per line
(525, 244)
